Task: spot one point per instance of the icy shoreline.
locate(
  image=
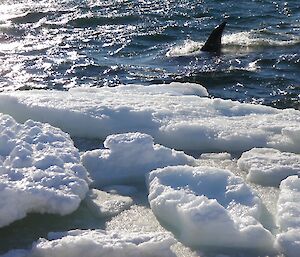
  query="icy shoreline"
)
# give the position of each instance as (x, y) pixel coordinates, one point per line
(198, 200)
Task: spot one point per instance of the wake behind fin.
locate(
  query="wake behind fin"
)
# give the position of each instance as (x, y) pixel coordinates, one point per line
(213, 43)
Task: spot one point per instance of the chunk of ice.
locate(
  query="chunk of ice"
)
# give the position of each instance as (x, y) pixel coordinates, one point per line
(288, 217)
(40, 170)
(208, 207)
(128, 158)
(268, 167)
(95, 243)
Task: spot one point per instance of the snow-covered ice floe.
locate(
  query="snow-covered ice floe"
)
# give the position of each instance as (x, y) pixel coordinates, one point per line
(179, 115)
(288, 217)
(128, 158)
(208, 207)
(40, 170)
(268, 167)
(95, 243)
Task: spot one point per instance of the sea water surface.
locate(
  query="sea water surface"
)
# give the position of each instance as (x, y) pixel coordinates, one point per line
(75, 43)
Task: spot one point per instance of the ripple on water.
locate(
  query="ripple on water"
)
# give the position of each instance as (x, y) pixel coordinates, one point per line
(153, 41)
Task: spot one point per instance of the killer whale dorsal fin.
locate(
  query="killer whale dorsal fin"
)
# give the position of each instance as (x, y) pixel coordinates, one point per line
(213, 43)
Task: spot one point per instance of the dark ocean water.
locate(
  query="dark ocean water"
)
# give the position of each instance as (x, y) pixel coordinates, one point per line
(65, 44)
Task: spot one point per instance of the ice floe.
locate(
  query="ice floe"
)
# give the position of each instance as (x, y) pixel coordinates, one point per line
(268, 167)
(289, 203)
(289, 242)
(205, 207)
(288, 216)
(208, 207)
(40, 170)
(179, 115)
(104, 204)
(95, 243)
(128, 158)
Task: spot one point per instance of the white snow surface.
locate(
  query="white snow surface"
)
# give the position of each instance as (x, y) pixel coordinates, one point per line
(289, 242)
(179, 115)
(40, 170)
(208, 207)
(95, 243)
(128, 158)
(288, 205)
(288, 216)
(268, 167)
(104, 204)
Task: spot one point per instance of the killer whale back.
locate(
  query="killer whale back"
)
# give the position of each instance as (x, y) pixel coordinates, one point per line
(213, 43)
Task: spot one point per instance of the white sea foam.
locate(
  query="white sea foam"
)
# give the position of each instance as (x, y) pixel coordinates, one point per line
(255, 38)
(245, 39)
(40, 170)
(188, 47)
(167, 113)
